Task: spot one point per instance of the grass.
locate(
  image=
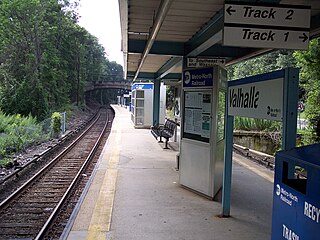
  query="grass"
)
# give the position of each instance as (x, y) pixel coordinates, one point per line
(6, 163)
(17, 133)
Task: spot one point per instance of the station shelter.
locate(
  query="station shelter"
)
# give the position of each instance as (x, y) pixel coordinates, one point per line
(190, 43)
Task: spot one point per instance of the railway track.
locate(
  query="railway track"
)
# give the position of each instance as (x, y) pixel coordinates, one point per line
(31, 210)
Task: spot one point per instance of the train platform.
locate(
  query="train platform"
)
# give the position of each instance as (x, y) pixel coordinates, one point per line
(135, 194)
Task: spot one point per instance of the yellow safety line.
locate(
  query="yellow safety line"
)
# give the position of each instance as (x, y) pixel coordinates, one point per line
(101, 218)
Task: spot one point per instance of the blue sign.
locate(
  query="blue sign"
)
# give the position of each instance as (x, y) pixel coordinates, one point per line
(142, 86)
(296, 198)
(198, 78)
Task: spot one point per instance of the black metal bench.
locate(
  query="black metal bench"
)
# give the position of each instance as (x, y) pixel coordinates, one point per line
(164, 131)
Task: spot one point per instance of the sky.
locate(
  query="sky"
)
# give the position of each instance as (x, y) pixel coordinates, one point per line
(101, 18)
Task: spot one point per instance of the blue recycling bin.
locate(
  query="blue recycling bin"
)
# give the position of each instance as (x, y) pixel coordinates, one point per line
(296, 197)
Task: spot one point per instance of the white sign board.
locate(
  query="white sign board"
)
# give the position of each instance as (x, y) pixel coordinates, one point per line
(278, 15)
(265, 38)
(267, 26)
(205, 62)
(262, 99)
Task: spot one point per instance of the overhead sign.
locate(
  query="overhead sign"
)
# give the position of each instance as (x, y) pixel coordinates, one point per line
(262, 99)
(198, 78)
(193, 62)
(266, 26)
(265, 38)
(277, 15)
(142, 86)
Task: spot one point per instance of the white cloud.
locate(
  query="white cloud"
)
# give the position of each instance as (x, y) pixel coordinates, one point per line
(101, 19)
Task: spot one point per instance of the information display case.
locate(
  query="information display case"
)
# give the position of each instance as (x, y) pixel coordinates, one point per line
(202, 132)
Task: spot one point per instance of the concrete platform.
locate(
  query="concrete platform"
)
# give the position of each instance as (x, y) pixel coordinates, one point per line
(135, 194)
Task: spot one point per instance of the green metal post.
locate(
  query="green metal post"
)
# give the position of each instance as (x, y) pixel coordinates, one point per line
(227, 171)
(156, 101)
(290, 108)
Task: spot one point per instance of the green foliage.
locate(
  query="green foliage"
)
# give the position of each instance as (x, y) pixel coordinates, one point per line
(6, 163)
(70, 109)
(308, 135)
(253, 124)
(17, 132)
(56, 123)
(266, 63)
(309, 63)
(46, 58)
(170, 97)
(270, 129)
(15, 100)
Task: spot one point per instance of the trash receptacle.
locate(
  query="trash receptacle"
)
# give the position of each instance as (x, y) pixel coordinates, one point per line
(296, 197)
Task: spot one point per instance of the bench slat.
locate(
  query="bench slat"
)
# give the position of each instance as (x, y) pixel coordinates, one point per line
(166, 131)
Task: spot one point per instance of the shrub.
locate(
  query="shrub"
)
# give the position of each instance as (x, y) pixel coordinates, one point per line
(253, 124)
(6, 163)
(18, 132)
(56, 123)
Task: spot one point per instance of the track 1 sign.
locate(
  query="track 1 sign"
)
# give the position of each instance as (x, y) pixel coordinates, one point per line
(265, 38)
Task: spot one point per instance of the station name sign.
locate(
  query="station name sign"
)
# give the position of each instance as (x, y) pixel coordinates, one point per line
(262, 99)
(266, 26)
(198, 77)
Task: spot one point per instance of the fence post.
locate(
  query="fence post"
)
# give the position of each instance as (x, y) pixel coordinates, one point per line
(175, 130)
(63, 124)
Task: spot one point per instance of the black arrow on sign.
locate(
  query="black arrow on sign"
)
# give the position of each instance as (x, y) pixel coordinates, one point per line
(230, 11)
(304, 37)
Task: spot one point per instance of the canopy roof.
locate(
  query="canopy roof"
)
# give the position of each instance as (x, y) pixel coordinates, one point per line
(156, 34)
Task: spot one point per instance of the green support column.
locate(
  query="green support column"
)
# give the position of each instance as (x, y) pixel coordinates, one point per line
(156, 101)
(290, 103)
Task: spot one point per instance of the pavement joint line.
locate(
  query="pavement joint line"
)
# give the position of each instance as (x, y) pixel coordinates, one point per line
(102, 214)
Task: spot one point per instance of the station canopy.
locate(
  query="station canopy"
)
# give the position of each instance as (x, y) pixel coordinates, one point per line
(157, 34)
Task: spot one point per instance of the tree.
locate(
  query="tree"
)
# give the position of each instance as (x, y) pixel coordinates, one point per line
(309, 63)
(266, 63)
(46, 58)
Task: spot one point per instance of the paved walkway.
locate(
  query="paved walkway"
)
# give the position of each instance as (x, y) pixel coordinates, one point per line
(135, 194)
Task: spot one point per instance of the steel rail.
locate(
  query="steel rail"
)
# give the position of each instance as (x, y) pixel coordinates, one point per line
(42, 154)
(55, 212)
(5, 202)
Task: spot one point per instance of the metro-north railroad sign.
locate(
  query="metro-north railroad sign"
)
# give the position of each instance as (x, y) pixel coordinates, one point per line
(266, 26)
